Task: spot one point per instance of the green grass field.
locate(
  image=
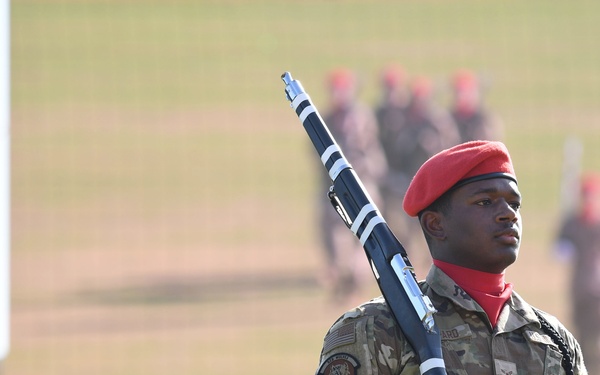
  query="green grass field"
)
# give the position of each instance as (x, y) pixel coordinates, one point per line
(163, 192)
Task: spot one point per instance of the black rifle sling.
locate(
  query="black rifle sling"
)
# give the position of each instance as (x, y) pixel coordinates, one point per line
(567, 361)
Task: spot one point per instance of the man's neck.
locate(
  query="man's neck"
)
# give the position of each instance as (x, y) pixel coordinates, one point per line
(489, 290)
(485, 282)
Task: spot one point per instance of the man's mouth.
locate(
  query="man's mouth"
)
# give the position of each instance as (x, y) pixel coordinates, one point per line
(511, 235)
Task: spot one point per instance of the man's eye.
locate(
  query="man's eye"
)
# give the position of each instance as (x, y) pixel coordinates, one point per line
(516, 206)
(484, 202)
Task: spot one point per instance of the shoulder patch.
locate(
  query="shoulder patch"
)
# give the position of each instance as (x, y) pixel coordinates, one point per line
(342, 335)
(339, 364)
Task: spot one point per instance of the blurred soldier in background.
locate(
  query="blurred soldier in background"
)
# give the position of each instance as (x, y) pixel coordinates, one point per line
(412, 129)
(391, 112)
(578, 241)
(428, 128)
(391, 120)
(473, 120)
(354, 127)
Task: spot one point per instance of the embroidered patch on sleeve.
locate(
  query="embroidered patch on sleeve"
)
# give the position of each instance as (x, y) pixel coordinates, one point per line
(339, 364)
(342, 336)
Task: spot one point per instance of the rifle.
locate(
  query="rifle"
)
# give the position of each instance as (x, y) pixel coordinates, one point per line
(389, 262)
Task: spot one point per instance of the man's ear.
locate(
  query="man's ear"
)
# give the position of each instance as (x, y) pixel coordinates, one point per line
(432, 224)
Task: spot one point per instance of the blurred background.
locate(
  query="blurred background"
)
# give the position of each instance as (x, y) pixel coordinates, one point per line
(163, 190)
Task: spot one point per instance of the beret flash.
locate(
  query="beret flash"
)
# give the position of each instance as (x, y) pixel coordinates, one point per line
(454, 167)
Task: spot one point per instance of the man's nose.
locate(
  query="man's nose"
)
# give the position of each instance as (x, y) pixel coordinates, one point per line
(507, 212)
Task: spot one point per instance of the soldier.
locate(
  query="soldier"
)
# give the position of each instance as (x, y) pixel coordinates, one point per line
(473, 120)
(410, 132)
(428, 129)
(468, 204)
(391, 121)
(579, 241)
(354, 127)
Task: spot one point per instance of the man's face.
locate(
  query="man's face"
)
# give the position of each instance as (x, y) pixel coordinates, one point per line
(483, 225)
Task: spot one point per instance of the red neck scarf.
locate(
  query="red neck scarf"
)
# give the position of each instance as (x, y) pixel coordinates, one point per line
(488, 289)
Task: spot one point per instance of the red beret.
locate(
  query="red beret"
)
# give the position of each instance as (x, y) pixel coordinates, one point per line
(341, 78)
(464, 80)
(456, 166)
(393, 76)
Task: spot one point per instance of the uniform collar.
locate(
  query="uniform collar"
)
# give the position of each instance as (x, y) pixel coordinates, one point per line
(515, 314)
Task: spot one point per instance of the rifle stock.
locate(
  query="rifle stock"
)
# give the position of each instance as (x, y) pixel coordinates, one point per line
(391, 267)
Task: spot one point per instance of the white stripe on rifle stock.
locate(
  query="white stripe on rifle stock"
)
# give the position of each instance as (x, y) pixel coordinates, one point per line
(338, 167)
(299, 99)
(367, 232)
(306, 112)
(431, 363)
(328, 152)
(361, 216)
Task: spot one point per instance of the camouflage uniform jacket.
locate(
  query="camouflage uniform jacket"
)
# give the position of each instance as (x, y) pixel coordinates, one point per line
(367, 341)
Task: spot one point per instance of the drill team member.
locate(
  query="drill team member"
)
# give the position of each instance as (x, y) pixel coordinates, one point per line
(468, 204)
(410, 135)
(578, 241)
(473, 119)
(353, 125)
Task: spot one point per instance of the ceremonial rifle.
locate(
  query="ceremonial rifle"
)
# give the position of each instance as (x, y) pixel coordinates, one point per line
(391, 267)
